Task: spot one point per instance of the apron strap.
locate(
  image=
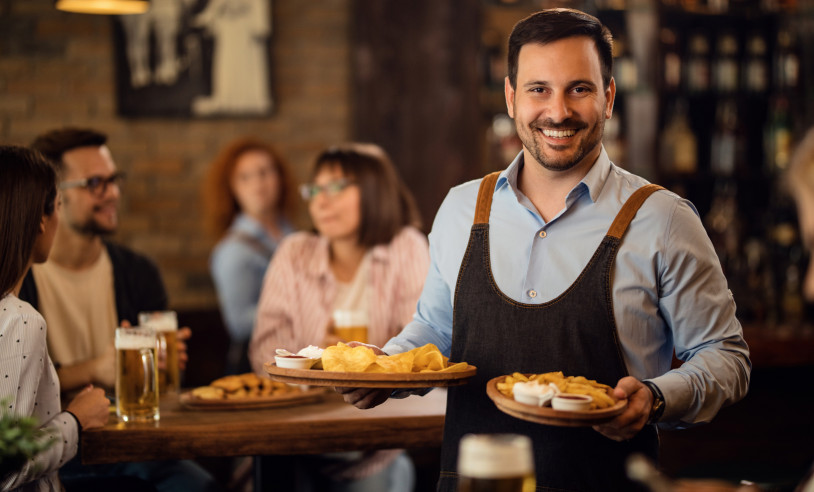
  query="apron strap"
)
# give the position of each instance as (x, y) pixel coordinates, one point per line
(629, 209)
(484, 204)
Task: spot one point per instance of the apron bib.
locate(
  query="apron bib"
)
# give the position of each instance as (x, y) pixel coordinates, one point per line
(574, 333)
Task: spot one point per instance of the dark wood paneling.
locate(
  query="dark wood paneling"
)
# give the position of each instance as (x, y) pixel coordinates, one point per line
(415, 90)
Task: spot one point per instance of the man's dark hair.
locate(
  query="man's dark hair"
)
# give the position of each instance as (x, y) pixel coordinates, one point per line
(551, 25)
(55, 143)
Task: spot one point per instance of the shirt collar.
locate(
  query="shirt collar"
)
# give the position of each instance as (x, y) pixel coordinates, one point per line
(593, 182)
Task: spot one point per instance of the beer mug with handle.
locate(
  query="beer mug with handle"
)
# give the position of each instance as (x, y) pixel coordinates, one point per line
(495, 463)
(165, 324)
(136, 374)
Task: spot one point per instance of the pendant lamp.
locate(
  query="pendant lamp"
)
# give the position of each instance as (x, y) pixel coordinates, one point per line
(109, 7)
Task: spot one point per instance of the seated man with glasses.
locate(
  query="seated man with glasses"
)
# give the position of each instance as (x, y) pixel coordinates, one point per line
(89, 286)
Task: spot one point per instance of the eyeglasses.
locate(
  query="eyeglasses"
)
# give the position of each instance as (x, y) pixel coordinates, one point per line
(97, 185)
(331, 189)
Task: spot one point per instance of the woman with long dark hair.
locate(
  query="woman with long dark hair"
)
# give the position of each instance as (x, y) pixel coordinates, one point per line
(28, 221)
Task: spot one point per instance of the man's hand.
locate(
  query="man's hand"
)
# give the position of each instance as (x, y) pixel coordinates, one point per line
(90, 407)
(630, 422)
(365, 397)
(184, 334)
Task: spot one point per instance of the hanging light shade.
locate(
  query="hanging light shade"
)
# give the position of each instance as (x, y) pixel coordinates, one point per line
(109, 7)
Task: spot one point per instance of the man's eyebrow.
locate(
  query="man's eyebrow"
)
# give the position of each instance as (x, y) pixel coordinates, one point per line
(532, 83)
(545, 83)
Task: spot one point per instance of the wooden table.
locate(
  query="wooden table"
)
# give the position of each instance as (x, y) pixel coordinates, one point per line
(328, 426)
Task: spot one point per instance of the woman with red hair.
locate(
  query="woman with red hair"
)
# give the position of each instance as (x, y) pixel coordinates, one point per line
(249, 201)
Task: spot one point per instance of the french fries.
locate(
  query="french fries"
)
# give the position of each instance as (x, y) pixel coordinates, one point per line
(566, 384)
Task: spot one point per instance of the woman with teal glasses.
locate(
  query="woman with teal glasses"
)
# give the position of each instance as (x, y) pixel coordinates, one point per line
(365, 255)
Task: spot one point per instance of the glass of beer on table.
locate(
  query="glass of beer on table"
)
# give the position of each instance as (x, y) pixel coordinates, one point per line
(165, 324)
(350, 325)
(136, 374)
(495, 463)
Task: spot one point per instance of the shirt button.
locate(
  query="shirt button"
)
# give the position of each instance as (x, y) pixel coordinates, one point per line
(532, 294)
(542, 234)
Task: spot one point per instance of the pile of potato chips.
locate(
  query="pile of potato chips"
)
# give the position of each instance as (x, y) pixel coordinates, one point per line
(570, 384)
(242, 386)
(428, 358)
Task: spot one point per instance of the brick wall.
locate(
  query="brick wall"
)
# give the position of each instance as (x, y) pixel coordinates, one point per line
(57, 69)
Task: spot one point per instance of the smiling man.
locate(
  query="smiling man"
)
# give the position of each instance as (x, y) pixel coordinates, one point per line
(573, 264)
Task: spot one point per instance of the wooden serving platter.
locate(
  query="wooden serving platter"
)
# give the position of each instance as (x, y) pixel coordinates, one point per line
(313, 395)
(547, 415)
(316, 377)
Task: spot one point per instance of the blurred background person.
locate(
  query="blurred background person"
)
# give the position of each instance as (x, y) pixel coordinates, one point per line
(90, 285)
(800, 181)
(366, 255)
(28, 219)
(249, 201)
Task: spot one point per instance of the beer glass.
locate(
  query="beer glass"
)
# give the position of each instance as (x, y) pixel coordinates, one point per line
(165, 324)
(136, 374)
(350, 326)
(495, 463)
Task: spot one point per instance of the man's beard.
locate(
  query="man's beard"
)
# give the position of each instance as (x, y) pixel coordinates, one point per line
(535, 146)
(93, 229)
(90, 227)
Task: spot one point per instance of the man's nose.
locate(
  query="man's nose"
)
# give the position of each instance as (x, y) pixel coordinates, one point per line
(559, 108)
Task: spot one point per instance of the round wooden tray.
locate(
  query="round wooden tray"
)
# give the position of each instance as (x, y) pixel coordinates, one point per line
(313, 395)
(547, 415)
(316, 377)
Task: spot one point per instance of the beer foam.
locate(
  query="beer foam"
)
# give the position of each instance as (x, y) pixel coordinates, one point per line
(160, 322)
(495, 456)
(134, 341)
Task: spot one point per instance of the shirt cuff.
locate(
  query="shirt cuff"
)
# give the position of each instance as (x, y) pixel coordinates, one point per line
(677, 395)
(78, 424)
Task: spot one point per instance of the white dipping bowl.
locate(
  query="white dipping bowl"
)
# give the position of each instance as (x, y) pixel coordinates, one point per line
(571, 402)
(533, 393)
(294, 361)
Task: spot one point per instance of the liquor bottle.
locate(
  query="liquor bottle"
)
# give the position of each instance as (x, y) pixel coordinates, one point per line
(697, 68)
(625, 71)
(728, 143)
(724, 227)
(786, 61)
(671, 71)
(679, 147)
(777, 136)
(725, 74)
(756, 72)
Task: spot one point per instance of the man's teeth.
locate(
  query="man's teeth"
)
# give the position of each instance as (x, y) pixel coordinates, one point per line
(559, 133)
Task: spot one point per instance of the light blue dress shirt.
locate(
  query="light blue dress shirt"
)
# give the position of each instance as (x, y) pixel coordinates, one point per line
(668, 287)
(238, 267)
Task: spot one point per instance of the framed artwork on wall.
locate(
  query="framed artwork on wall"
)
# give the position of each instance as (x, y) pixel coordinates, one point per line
(194, 58)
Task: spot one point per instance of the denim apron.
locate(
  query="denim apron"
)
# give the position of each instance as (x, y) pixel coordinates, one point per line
(574, 333)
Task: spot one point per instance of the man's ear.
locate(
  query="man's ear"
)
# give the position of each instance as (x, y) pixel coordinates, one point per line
(610, 94)
(509, 91)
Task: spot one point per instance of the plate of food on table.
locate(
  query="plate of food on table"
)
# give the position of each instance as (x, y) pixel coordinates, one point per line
(361, 367)
(247, 391)
(554, 399)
